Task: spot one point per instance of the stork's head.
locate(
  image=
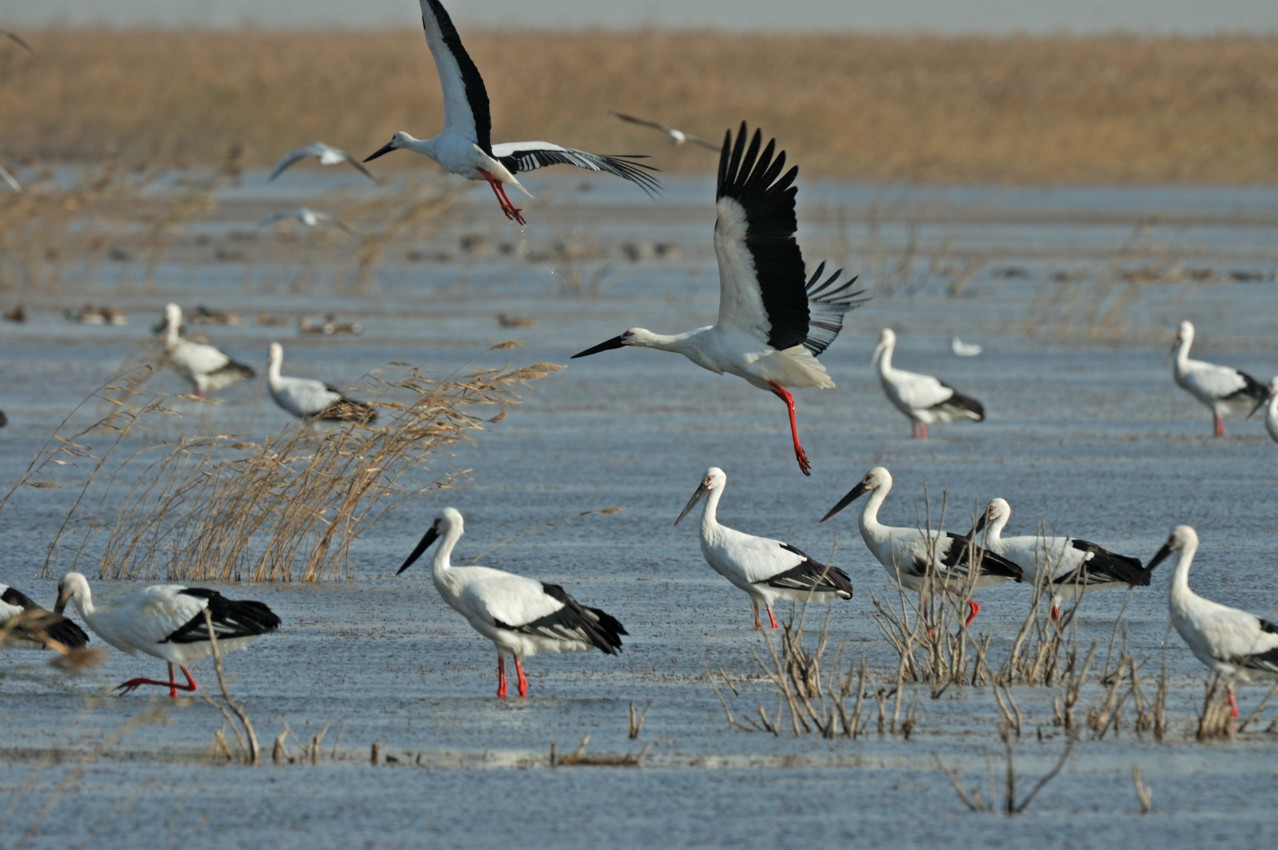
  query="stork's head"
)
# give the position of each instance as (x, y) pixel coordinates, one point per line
(399, 140)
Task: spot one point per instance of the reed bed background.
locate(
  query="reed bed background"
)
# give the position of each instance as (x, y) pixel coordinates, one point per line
(1043, 110)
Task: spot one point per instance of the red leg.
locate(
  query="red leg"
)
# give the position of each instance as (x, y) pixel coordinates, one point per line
(922, 430)
(914, 430)
(125, 687)
(1233, 703)
(973, 610)
(770, 616)
(1218, 429)
(799, 454)
(1056, 611)
(501, 676)
(506, 206)
(523, 682)
(754, 604)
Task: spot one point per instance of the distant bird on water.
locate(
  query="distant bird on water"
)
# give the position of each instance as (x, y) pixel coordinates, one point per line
(1235, 644)
(677, 137)
(465, 146)
(25, 624)
(922, 398)
(169, 622)
(1222, 389)
(206, 367)
(773, 320)
(765, 569)
(307, 216)
(326, 154)
(521, 616)
(311, 400)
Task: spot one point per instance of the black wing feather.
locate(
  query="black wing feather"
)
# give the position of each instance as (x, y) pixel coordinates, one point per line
(755, 182)
(620, 165)
(575, 621)
(476, 94)
(1105, 566)
(232, 618)
(809, 574)
(828, 302)
(962, 550)
(36, 624)
(959, 401)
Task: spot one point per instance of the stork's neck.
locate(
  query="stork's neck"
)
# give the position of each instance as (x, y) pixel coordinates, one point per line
(170, 332)
(871, 529)
(885, 360)
(710, 515)
(273, 370)
(993, 532)
(443, 555)
(1181, 595)
(1182, 355)
(687, 344)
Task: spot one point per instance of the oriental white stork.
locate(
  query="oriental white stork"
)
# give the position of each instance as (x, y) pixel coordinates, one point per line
(772, 324)
(206, 367)
(1235, 644)
(676, 137)
(1271, 410)
(465, 146)
(1066, 566)
(910, 554)
(326, 154)
(521, 616)
(1221, 388)
(765, 569)
(922, 398)
(25, 624)
(311, 400)
(168, 621)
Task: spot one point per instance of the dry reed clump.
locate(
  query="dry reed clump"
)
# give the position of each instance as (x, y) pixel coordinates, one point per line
(1019, 109)
(223, 509)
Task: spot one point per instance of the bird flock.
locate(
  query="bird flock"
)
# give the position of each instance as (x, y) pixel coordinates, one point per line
(774, 321)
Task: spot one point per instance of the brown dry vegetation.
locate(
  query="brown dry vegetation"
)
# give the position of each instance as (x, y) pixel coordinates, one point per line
(1011, 110)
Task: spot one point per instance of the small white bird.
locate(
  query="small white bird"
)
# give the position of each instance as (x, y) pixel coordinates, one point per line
(922, 398)
(168, 621)
(521, 616)
(909, 554)
(772, 324)
(311, 400)
(1271, 410)
(306, 216)
(765, 569)
(465, 146)
(25, 624)
(1067, 567)
(676, 137)
(964, 349)
(326, 154)
(206, 367)
(10, 179)
(1221, 388)
(1237, 645)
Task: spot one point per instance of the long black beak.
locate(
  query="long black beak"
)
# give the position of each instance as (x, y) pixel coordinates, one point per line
(428, 538)
(981, 521)
(696, 497)
(853, 494)
(1259, 405)
(384, 149)
(1159, 556)
(61, 604)
(606, 345)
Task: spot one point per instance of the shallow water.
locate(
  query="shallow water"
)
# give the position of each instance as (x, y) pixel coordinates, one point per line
(1088, 436)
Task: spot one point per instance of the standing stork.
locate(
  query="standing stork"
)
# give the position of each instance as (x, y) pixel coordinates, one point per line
(465, 146)
(168, 621)
(1221, 388)
(765, 569)
(25, 624)
(1270, 403)
(1066, 566)
(922, 398)
(206, 367)
(521, 616)
(910, 554)
(1237, 645)
(772, 324)
(311, 400)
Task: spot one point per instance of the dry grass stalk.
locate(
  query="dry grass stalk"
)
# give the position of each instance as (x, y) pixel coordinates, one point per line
(1074, 676)
(1011, 805)
(1260, 706)
(1143, 792)
(636, 719)
(222, 509)
(247, 738)
(1216, 720)
(579, 757)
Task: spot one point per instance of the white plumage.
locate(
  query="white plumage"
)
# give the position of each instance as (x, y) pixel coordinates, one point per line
(773, 320)
(307, 217)
(964, 349)
(326, 154)
(465, 146)
(1066, 566)
(1270, 404)
(1237, 645)
(1221, 388)
(910, 554)
(676, 137)
(521, 616)
(765, 569)
(206, 367)
(168, 621)
(26, 625)
(922, 398)
(309, 399)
